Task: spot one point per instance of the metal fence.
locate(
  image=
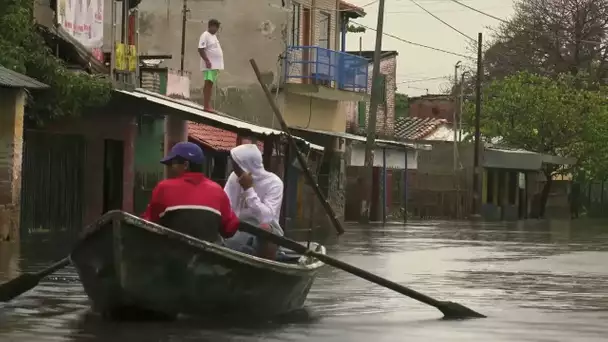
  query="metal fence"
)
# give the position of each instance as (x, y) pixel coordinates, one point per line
(312, 64)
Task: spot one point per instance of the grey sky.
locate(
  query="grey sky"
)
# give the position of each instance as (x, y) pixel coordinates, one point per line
(405, 20)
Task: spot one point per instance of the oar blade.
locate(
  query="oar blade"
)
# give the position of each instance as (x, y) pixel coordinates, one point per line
(453, 310)
(18, 286)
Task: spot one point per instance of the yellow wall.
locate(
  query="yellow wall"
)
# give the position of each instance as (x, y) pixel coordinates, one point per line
(309, 112)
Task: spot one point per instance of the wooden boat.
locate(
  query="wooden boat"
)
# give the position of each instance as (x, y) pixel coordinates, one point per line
(128, 265)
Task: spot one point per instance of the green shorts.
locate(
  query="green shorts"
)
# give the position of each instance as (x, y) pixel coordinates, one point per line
(210, 75)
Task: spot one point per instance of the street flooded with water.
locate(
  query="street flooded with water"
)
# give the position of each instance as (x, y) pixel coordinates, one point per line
(536, 281)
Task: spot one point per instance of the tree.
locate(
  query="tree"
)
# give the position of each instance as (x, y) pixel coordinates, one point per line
(402, 105)
(551, 116)
(551, 37)
(24, 50)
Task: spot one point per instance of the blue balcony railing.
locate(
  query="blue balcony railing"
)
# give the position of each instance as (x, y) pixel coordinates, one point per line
(316, 65)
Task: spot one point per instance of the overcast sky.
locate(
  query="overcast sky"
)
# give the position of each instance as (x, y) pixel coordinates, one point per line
(407, 21)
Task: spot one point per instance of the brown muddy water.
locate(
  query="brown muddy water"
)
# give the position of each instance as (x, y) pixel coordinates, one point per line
(537, 281)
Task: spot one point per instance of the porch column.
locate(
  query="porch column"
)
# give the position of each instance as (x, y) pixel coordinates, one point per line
(12, 102)
(176, 130)
(336, 194)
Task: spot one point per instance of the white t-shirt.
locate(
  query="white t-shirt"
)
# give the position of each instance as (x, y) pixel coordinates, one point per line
(213, 49)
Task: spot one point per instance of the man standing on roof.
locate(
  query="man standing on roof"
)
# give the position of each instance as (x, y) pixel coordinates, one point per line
(256, 196)
(212, 60)
(189, 202)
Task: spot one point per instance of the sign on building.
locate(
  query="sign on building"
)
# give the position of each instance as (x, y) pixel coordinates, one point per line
(83, 20)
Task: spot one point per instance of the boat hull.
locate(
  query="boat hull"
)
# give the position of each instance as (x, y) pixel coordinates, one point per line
(127, 264)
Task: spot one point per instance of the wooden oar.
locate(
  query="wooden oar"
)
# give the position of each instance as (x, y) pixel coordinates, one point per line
(28, 281)
(450, 310)
(307, 173)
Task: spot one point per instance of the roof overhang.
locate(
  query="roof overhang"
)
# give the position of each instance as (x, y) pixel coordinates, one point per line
(352, 11)
(360, 139)
(192, 111)
(521, 159)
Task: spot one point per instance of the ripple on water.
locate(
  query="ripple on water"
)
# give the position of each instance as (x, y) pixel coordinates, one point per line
(536, 281)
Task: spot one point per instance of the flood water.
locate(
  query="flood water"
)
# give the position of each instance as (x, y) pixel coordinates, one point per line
(536, 281)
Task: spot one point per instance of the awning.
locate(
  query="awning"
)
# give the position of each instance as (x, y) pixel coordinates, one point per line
(192, 111)
(379, 142)
(517, 159)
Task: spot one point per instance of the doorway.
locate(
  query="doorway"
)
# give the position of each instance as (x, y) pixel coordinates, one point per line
(113, 166)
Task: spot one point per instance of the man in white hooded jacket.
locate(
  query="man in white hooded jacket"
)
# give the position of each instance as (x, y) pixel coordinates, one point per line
(256, 196)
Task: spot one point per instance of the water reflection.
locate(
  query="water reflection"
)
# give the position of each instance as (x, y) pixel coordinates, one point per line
(537, 280)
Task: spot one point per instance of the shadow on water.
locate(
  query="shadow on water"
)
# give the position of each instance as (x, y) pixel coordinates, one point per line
(536, 280)
(91, 327)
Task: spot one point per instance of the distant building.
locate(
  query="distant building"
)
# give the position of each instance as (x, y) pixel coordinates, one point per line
(432, 106)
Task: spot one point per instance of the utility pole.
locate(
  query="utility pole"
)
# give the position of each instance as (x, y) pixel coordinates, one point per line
(185, 11)
(454, 125)
(371, 127)
(476, 168)
(455, 178)
(461, 105)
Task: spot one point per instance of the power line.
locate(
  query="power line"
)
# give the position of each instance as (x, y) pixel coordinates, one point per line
(415, 44)
(425, 79)
(442, 21)
(507, 22)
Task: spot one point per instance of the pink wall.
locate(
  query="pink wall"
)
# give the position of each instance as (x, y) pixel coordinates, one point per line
(96, 129)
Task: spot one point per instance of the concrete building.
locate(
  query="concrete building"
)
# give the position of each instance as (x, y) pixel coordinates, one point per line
(294, 43)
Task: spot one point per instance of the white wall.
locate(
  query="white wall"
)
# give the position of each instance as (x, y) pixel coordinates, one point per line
(395, 159)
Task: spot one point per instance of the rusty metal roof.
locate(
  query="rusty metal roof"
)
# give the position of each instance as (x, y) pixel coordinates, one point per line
(415, 128)
(13, 79)
(192, 111)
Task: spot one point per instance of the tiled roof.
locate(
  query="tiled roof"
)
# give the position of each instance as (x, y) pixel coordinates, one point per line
(414, 128)
(215, 138)
(13, 79)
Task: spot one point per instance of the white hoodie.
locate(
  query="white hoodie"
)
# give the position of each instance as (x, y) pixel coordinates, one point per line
(262, 202)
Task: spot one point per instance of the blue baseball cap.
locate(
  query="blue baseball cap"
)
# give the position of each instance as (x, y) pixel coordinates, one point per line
(186, 150)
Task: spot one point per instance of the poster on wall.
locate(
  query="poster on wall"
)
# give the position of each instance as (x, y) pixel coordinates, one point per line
(83, 20)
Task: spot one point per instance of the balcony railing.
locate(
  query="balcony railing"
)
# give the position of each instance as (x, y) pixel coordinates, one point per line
(335, 69)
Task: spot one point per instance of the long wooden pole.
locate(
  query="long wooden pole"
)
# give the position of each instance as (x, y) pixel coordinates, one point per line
(307, 173)
(371, 126)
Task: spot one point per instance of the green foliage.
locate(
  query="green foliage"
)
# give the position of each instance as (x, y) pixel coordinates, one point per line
(553, 116)
(402, 105)
(24, 50)
(355, 29)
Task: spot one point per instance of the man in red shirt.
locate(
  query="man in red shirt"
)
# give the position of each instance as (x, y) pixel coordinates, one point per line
(189, 202)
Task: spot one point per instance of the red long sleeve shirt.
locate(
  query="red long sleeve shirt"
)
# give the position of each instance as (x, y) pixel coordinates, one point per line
(193, 192)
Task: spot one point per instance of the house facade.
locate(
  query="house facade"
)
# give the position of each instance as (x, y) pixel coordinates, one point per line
(294, 43)
(357, 114)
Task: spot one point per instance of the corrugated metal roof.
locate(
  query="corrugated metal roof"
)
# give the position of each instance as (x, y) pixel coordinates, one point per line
(359, 138)
(13, 79)
(198, 114)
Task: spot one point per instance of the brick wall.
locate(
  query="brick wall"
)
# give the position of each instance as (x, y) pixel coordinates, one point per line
(432, 106)
(318, 8)
(385, 119)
